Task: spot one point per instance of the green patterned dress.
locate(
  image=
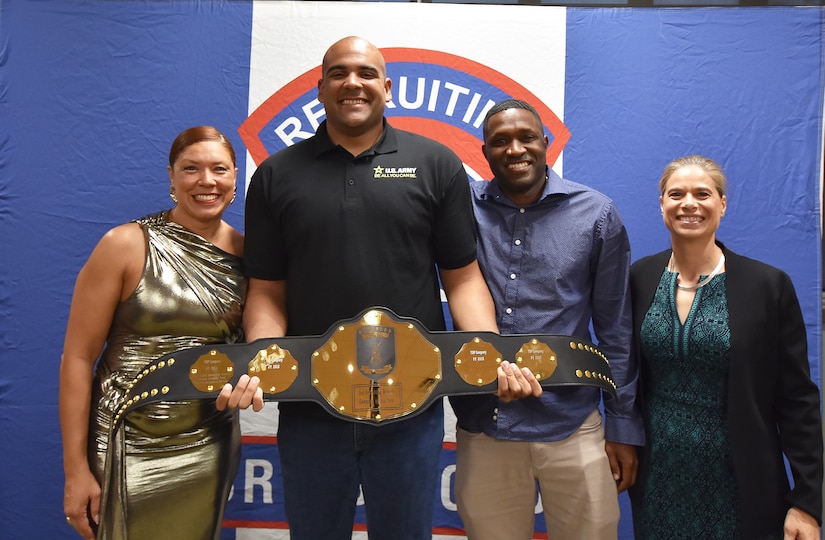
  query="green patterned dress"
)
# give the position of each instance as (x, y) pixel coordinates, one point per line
(690, 490)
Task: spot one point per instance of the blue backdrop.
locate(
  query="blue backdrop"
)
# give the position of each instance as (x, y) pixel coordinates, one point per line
(93, 92)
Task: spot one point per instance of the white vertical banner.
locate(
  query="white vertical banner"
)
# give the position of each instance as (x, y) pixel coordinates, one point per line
(448, 65)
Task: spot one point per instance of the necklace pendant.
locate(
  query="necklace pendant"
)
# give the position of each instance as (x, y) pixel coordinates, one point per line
(701, 283)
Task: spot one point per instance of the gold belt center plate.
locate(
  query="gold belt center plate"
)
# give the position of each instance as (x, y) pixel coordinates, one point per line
(376, 368)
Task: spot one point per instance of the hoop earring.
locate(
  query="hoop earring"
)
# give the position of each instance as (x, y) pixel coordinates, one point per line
(234, 194)
(172, 195)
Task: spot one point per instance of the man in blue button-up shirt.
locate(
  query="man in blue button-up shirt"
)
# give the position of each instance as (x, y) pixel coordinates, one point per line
(556, 257)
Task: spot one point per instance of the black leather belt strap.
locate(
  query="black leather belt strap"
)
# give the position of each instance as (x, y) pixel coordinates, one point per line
(377, 367)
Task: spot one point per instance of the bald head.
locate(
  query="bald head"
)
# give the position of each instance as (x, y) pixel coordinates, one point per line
(353, 45)
(354, 89)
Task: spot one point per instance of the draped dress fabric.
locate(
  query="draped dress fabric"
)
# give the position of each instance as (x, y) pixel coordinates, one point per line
(690, 489)
(166, 471)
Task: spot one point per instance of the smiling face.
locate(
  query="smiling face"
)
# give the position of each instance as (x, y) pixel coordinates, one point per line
(354, 88)
(516, 149)
(203, 177)
(691, 204)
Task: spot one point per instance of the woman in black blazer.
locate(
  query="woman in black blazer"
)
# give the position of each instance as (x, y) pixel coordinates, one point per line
(726, 386)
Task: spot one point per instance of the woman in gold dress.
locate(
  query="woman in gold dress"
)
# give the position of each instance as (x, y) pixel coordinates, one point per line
(168, 281)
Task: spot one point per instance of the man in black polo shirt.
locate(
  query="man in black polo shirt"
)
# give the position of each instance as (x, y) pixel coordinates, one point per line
(360, 215)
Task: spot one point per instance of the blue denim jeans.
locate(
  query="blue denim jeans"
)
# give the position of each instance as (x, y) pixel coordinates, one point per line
(324, 460)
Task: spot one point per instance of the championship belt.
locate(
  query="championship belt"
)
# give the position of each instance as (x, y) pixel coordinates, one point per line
(376, 368)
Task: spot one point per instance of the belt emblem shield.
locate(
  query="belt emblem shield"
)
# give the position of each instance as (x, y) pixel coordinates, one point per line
(375, 351)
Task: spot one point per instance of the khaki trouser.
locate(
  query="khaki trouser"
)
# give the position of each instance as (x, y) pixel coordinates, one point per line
(496, 486)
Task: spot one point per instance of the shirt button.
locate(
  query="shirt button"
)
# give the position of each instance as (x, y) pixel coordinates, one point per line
(495, 418)
(521, 210)
(518, 242)
(351, 182)
(509, 310)
(512, 276)
(495, 410)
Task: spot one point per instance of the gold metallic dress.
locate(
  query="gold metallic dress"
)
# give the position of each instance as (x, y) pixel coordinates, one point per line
(166, 472)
